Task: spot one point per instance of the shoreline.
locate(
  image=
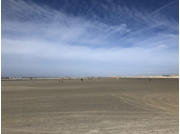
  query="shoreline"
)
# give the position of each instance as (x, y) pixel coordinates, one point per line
(91, 78)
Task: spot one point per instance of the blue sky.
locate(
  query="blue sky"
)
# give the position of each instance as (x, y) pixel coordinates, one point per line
(57, 38)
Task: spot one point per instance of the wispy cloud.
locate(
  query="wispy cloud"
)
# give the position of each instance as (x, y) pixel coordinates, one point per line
(34, 32)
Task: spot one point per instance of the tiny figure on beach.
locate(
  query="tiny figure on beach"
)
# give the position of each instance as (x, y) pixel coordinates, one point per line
(150, 79)
(60, 81)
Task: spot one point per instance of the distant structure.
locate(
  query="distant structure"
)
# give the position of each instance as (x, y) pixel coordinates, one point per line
(5, 78)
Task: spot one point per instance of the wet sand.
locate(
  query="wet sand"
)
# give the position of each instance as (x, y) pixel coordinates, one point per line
(96, 106)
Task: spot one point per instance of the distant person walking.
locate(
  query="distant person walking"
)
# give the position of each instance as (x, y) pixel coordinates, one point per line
(60, 81)
(150, 79)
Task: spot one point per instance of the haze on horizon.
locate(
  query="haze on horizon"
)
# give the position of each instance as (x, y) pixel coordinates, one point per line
(53, 38)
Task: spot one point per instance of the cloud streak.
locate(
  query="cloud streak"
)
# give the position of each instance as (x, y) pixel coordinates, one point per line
(40, 33)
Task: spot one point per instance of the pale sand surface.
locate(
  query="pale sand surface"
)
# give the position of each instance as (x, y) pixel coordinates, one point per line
(100, 106)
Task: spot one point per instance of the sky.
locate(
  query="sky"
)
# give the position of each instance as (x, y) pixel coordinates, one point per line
(75, 38)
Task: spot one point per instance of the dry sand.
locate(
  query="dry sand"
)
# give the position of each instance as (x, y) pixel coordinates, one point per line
(101, 106)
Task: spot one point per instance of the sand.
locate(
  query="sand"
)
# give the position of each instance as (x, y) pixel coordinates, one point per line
(96, 106)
